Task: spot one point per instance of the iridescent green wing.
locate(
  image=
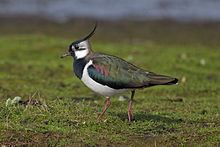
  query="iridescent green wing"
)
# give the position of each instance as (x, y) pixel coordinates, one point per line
(119, 74)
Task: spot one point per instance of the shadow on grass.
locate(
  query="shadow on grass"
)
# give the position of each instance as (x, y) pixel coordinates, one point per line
(141, 116)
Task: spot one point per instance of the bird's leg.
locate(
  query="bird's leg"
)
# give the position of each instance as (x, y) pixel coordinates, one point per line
(130, 113)
(107, 104)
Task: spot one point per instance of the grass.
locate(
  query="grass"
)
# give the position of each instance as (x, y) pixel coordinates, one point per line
(187, 114)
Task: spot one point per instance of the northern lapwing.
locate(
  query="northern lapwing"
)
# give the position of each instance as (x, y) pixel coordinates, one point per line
(109, 75)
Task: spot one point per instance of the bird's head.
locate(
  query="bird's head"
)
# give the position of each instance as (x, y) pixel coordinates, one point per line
(80, 48)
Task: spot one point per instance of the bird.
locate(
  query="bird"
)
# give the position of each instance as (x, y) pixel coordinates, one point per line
(109, 75)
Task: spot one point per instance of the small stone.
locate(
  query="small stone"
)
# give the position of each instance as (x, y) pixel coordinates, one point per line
(121, 98)
(183, 56)
(202, 62)
(183, 79)
(8, 102)
(16, 100)
(130, 58)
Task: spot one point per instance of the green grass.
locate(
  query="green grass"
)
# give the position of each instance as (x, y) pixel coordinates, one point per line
(187, 114)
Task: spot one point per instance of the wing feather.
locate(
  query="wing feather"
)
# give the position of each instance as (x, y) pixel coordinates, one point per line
(119, 74)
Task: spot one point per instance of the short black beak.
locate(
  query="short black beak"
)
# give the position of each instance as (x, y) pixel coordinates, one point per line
(65, 55)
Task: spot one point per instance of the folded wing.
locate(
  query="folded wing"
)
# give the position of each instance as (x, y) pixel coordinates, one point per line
(119, 74)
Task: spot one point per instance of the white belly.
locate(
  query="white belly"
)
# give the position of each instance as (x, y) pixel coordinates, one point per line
(96, 87)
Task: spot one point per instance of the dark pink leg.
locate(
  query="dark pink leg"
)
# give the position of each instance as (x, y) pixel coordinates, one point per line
(107, 104)
(130, 111)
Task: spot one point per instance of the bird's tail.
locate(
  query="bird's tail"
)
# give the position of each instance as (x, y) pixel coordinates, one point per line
(162, 80)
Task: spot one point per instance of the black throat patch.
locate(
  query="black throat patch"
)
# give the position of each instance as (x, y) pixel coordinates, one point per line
(78, 66)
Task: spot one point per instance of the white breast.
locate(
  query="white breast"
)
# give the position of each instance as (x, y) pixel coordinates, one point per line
(96, 87)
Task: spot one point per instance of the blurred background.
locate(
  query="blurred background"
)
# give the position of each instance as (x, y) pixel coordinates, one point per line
(149, 20)
(180, 38)
(65, 10)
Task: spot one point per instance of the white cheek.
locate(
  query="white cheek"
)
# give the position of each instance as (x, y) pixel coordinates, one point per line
(81, 54)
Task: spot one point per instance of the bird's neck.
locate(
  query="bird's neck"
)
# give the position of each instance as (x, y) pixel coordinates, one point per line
(79, 64)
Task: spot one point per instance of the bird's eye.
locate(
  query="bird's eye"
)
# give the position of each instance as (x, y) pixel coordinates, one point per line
(76, 46)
